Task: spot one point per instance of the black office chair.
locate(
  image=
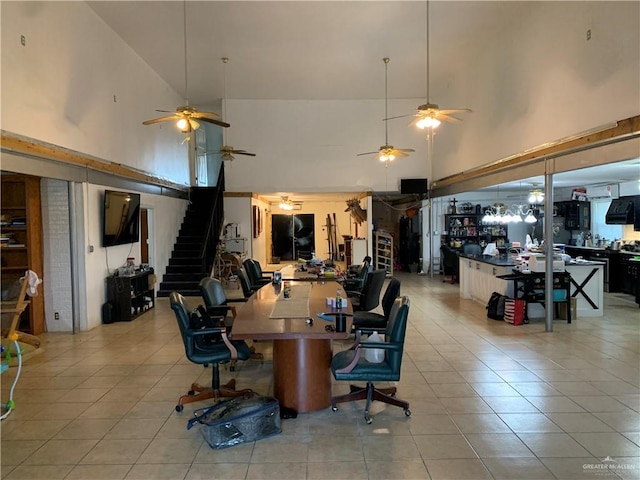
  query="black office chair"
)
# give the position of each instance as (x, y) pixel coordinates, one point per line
(355, 283)
(245, 284)
(450, 263)
(369, 297)
(217, 305)
(472, 249)
(375, 320)
(207, 346)
(256, 280)
(351, 364)
(354, 270)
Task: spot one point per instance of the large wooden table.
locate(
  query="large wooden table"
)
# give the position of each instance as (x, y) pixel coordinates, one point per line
(301, 353)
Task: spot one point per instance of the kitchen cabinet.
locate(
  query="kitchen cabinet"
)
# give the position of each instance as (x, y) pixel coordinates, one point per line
(576, 214)
(21, 247)
(629, 277)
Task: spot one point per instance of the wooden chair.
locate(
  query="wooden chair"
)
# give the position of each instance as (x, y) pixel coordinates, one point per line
(16, 307)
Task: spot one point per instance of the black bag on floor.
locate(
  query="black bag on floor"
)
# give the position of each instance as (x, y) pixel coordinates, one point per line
(495, 306)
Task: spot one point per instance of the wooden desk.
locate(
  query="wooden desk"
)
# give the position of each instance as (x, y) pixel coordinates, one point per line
(301, 353)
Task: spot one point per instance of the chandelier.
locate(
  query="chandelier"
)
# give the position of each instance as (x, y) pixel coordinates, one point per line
(499, 213)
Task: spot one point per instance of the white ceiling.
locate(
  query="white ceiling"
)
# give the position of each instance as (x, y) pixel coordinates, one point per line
(318, 50)
(305, 49)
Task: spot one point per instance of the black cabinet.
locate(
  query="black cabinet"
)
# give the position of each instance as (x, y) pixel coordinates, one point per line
(131, 295)
(577, 214)
(629, 277)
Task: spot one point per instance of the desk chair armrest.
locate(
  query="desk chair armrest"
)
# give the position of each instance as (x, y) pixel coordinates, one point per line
(219, 310)
(223, 333)
(352, 364)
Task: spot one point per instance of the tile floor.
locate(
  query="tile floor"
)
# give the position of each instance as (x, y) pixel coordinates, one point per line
(489, 401)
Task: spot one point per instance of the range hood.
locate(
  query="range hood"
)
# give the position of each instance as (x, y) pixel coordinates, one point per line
(621, 211)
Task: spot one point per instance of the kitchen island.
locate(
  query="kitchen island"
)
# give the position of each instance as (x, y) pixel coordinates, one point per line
(478, 279)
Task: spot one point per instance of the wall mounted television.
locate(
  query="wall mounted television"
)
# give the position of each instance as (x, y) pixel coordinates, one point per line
(418, 186)
(121, 218)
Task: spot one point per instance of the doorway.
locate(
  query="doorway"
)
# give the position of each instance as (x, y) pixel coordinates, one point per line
(146, 236)
(293, 236)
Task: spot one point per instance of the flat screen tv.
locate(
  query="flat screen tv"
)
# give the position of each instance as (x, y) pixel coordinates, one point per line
(121, 218)
(414, 185)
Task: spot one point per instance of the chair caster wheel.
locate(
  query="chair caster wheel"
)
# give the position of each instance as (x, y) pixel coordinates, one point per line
(407, 412)
(232, 368)
(334, 409)
(179, 408)
(191, 392)
(368, 419)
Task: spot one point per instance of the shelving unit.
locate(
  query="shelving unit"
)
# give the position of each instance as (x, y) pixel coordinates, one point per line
(131, 295)
(383, 250)
(468, 228)
(22, 224)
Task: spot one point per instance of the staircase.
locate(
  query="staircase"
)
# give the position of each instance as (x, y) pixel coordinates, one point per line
(194, 251)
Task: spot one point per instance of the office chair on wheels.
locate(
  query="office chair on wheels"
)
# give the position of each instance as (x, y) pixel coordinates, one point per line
(207, 346)
(374, 320)
(217, 306)
(351, 364)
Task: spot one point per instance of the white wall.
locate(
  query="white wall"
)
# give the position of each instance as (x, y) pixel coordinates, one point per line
(103, 261)
(76, 84)
(541, 80)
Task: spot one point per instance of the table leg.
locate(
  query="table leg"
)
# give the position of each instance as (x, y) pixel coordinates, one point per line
(301, 374)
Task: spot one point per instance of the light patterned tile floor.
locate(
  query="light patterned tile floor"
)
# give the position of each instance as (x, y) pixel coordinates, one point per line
(489, 401)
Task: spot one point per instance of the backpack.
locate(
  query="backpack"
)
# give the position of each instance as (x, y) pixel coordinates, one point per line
(495, 306)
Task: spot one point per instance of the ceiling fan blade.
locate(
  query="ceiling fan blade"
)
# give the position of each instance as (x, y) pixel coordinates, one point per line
(166, 111)
(161, 119)
(367, 153)
(215, 122)
(405, 149)
(400, 154)
(455, 110)
(205, 114)
(399, 116)
(449, 118)
(242, 152)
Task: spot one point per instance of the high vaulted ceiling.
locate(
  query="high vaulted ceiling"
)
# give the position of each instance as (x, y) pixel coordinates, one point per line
(307, 50)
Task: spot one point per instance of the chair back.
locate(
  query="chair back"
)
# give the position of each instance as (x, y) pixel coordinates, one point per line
(212, 292)
(245, 284)
(259, 271)
(194, 348)
(472, 249)
(390, 294)
(395, 332)
(449, 259)
(370, 296)
(214, 296)
(182, 311)
(252, 272)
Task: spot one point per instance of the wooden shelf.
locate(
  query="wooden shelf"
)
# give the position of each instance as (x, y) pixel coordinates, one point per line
(21, 198)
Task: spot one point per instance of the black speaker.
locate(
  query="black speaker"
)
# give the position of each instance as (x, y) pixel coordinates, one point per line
(107, 313)
(418, 186)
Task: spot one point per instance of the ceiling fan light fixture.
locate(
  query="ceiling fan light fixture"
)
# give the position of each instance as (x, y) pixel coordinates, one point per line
(536, 196)
(183, 125)
(428, 122)
(285, 204)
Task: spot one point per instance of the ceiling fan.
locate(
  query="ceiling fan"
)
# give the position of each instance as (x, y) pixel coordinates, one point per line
(188, 118)
(227, 152)
(430, 115)
(387, 153)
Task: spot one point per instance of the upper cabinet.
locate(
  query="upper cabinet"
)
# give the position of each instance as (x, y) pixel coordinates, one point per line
(576, 214)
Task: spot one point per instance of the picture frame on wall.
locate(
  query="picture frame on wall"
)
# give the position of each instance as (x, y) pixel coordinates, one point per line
(257, 221)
